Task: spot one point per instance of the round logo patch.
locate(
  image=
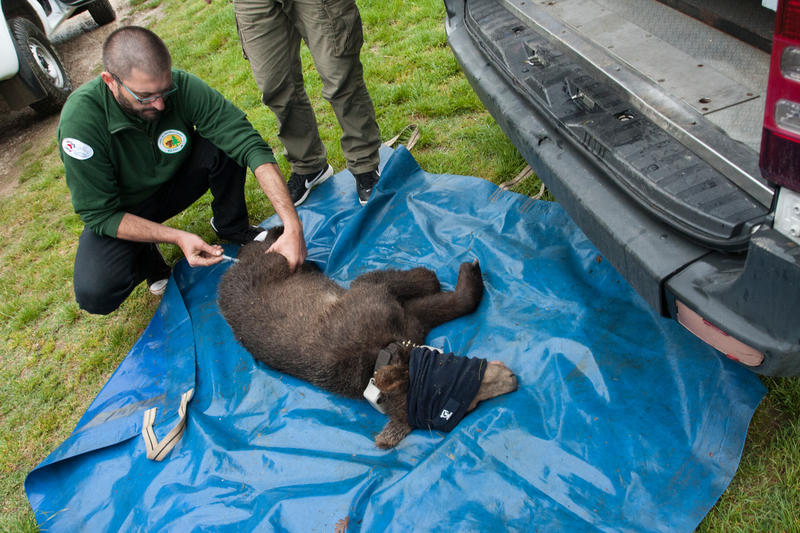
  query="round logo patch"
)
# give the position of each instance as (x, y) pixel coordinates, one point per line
(77, 149)
(171, 141)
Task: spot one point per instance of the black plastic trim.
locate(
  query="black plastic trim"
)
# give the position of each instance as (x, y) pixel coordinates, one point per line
(659, 262)
(757, 303)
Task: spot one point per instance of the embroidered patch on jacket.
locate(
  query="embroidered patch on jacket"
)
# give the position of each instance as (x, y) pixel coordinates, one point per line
(77, 149)
(171, 141)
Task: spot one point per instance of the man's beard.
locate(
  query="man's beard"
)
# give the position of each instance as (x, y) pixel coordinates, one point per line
(150, 114)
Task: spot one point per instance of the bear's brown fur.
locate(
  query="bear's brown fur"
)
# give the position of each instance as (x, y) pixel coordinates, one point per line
(306, 325)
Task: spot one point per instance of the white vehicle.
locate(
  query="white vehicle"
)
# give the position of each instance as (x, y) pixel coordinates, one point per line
(31, 73)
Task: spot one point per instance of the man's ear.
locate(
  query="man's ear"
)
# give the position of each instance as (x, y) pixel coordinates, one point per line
(108, 79)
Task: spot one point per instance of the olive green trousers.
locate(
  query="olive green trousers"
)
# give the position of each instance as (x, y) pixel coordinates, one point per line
(270, 32)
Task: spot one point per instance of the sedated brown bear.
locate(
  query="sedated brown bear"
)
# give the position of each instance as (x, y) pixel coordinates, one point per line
(306, 325)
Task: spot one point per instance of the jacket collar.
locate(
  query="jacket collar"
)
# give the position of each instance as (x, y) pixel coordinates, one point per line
(116, 118)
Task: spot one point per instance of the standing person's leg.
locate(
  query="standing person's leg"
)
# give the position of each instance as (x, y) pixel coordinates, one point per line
(272, 46)
(334, 34)
(108, 269)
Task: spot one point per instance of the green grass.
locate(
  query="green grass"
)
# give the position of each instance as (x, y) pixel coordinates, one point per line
(55, 358)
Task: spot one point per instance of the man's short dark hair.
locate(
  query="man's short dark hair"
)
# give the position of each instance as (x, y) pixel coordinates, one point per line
(135, 47)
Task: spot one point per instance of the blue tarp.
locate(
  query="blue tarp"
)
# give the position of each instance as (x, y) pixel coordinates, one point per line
(623, 421)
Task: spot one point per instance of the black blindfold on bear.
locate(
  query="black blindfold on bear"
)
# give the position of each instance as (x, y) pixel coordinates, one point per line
(441, 387)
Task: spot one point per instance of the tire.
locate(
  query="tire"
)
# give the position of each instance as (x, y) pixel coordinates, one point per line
(41, 58)
(102, 12)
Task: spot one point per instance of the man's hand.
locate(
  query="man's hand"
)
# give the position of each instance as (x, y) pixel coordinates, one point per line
(292, 246)
(197, 251)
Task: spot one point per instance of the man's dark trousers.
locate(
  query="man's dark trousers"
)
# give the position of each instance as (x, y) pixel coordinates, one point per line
(108, 269)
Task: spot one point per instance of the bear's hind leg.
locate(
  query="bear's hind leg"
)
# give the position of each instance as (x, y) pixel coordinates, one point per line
(437, 309)
(402, 284)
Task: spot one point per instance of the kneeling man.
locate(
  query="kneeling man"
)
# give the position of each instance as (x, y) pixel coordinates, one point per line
(142, 142)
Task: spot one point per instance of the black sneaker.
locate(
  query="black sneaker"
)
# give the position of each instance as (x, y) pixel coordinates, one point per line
(251, 233)
(364, 184)
(301, 184)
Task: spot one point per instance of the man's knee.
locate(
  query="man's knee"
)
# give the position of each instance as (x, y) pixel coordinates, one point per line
(103, 276)
(280, 91)
(207, 156)
(94, 300)
(342, 78)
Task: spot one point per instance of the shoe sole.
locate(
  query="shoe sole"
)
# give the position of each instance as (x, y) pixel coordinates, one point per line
(313, 183)
(159, 287)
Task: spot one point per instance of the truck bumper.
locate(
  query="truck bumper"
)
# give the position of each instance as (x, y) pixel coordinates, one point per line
(660, 263)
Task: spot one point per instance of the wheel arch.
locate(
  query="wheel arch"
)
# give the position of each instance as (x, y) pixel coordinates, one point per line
(20, 8)
(36, 84)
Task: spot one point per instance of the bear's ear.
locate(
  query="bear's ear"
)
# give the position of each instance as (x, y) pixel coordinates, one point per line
(392, 378)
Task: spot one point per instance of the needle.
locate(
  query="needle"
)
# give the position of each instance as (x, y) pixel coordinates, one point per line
(229, 258)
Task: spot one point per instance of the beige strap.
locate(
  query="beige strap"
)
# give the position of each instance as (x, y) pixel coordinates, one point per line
(411, 131)
(516, 180)
(519, 178)
(158, 450)
(538, 195)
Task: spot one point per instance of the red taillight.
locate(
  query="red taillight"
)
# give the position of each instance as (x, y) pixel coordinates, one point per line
(780, 142)
(788, 22)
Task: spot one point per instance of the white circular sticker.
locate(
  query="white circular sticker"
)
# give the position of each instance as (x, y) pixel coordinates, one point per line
(77, 149)
(171, 141)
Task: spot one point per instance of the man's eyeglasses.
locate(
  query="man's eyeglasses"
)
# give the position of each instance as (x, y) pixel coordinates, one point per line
(147, 99)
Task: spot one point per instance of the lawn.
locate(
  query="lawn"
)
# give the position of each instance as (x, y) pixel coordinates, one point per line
(55, 358)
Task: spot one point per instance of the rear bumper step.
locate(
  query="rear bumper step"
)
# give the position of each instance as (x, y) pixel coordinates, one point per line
(666, 156)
